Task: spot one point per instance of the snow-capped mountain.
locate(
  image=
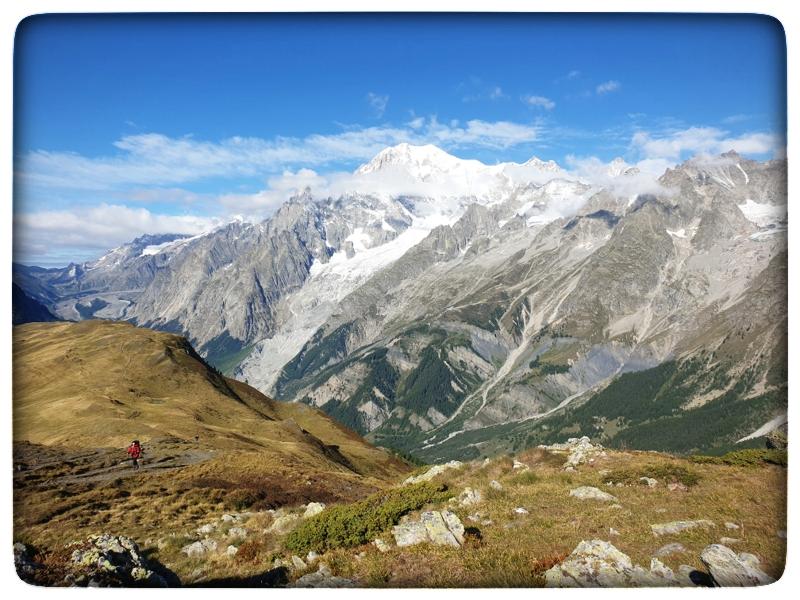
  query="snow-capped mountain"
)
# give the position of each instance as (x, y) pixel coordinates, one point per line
(448, 307)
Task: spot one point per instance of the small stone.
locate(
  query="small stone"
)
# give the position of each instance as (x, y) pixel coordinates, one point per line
(521, 511)
(729, 540)
(648, 481)
(231, 550)
(298, 563)
(676, 527)
(676, 486)
(433, 472)
(672, 548)
(237, 532)
(381, 545)
(781, 534)
(616, 506)
(283, 523)
(228, 518)
(311, 556)
(729, 525)
(612, 531)
(495, 485)
(200, 547)
(520, 465)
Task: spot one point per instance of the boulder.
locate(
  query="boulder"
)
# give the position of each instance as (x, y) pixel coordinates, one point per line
(433, 472)
(591, 493)
(676, 527)
(206, 529)
(237, 532)
(442, 528)
(323, 578)
(728, 569)
(199, 547)
(229, 518)
(469, 497)
(313, 508)
(597, 563)
(648, 481)
(111, 561)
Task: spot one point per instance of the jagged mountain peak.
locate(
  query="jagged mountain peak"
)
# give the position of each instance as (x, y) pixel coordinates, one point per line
(542, 165)
(419, 161)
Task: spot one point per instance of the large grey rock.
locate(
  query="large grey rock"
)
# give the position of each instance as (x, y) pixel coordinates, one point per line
(676, 527)
(591, 493)
(597, 563)
(728, 569)
(442, 528)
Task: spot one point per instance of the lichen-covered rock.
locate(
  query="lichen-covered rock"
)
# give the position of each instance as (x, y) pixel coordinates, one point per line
(237, 532)
(728, 569)
(470, 497)
(433, 472)
(597, 563)
(676, 527)
(591, 493)
(111, 561)
(442, 528)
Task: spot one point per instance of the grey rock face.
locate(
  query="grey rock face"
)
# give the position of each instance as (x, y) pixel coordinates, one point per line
(323, 578)
(729, 569)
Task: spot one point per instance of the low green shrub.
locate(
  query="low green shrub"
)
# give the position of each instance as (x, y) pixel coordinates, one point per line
(666, 473)
(525, 478)
(348, 525)
(750, 457)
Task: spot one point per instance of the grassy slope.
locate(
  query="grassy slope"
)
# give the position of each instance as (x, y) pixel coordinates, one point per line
(82, 391)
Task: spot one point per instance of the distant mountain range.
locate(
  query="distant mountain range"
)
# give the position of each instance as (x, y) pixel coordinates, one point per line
(450, 308)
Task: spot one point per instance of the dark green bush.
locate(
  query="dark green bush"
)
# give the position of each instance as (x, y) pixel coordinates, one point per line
(347, 525)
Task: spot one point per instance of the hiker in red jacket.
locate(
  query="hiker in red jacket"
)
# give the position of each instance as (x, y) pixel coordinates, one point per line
(135, 451)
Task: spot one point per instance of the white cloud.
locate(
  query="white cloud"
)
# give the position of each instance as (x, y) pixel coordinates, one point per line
(702, 140)
(607, 87)
(44, 236)
(539, 101)
(377, 103)
(156, 159)
(496, 93)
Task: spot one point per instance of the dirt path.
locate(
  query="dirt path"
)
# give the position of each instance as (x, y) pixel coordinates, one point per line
(43, 466)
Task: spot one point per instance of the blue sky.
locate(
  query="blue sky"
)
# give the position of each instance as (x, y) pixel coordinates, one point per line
(127, 124)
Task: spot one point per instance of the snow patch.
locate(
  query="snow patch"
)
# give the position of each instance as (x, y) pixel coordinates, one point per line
(763, 214)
